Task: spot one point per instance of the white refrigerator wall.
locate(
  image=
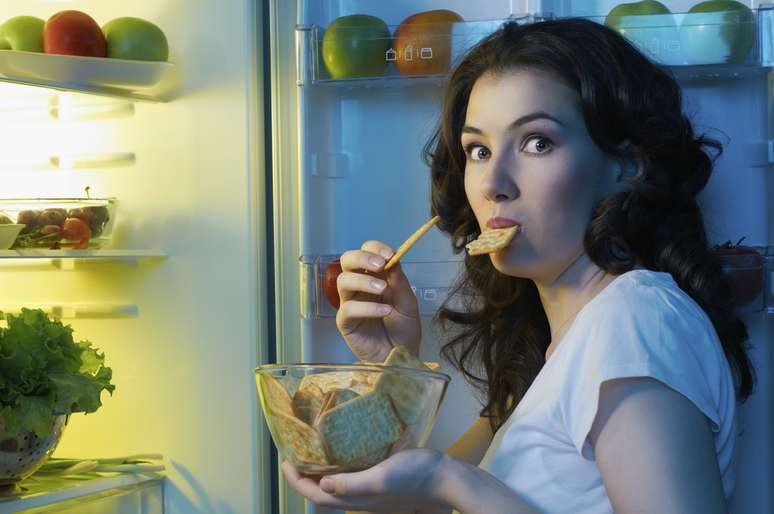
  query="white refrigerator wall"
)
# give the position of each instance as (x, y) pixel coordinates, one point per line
(347, 168)
(183, 366)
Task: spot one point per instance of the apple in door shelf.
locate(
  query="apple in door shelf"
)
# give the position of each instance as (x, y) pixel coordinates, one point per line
(356, 46)
(330, 291)
(650, 26)
(22, 34)
(744, 267)
(422, 42)
(74, 33)
(717, 31)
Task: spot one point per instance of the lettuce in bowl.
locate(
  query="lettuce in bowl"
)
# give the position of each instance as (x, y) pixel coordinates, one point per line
(44, 372)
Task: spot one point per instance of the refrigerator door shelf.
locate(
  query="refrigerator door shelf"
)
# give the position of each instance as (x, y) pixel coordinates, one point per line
(747, 274)
(431, 281)
(769, 281)
(695, 46)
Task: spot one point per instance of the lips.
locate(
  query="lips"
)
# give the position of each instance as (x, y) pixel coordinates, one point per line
(500, 222)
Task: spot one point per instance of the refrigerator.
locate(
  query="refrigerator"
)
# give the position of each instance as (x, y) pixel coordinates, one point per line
(178, 301)
(241, 175)
(347, 168)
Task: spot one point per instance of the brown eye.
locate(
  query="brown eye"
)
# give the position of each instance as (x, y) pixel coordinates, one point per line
(477, 152)
(538, 144)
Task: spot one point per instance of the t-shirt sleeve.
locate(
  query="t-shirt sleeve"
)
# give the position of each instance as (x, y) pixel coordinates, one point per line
(645, 334)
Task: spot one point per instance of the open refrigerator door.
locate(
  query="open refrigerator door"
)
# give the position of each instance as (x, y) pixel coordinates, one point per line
(348, 135)
(166, 158)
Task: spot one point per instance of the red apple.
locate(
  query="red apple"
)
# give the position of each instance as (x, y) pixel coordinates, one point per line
(73, 33)
(422, 42)
(331, 292)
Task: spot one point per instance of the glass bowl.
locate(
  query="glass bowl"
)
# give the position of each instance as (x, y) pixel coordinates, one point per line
(333, 418)
(49, 223)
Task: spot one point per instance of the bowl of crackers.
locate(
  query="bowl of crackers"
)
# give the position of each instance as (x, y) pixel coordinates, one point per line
(334, 418)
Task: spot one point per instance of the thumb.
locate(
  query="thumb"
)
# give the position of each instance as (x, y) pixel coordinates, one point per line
(402, 296)
(349, 484)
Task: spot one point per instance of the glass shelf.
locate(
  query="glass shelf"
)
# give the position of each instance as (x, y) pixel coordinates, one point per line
(78, 310)
(691, 45)
(69, 259)
(93, 492)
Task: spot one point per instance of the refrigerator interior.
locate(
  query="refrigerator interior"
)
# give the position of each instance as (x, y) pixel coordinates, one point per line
(181, 330)
(348, 168)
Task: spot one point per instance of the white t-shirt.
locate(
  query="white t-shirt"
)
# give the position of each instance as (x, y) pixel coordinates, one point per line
(641, 325)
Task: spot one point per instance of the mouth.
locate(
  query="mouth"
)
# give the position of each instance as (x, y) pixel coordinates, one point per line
(500, 222)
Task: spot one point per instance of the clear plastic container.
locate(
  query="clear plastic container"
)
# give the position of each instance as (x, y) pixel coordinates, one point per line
(80, 223)
(746, 271)
(351, 53)
(431, 282)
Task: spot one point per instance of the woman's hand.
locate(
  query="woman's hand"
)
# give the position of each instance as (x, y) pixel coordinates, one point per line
(378, 309)
(408, 482)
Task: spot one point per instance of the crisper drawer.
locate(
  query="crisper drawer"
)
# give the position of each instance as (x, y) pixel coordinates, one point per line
(142, 498)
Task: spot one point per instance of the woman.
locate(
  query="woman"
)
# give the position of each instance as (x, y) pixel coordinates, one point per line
(603, 336)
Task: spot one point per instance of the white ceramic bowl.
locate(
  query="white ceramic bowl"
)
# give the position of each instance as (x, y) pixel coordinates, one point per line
(8, 234)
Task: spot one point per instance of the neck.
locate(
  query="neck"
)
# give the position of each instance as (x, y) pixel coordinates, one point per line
(565, 295)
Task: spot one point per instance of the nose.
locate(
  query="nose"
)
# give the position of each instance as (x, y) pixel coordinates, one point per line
(497, 183)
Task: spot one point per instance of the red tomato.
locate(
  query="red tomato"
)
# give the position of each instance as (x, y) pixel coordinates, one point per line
(743, 266)
(332, 272)
(76, 230)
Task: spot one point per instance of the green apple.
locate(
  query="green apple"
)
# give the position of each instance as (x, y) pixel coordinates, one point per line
(135, 39)
(717, 31)
(356, 46)
(22, 33)
(650, 26)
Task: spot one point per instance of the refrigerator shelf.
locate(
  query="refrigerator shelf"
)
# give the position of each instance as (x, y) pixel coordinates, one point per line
(93, 492)
(69, 259)
(136, 80)
(431, 282)
(692, 45)
(78, 310)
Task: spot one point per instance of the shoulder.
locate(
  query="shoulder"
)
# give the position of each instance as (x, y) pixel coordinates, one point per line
(647, 306)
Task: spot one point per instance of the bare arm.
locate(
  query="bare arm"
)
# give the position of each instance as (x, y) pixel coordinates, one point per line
(670, 465)
(472, 445)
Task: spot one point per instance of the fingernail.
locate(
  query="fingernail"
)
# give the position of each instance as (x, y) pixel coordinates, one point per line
(386, 253)
(377, 285)
(384, 310)
(376, 261)
(326, 484)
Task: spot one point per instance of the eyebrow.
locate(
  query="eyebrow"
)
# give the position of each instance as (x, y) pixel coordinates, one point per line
(467, 129)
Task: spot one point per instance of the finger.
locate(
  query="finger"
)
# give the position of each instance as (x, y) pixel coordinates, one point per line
(378, 248)
(311, 491)
(355, 260)
(362, 483)
(353, 311)
(350, 284)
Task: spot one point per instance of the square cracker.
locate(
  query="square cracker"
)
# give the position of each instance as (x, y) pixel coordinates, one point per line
(301, 441)
(492, 240)
(274, 396)
(408, 394)
(358, 429)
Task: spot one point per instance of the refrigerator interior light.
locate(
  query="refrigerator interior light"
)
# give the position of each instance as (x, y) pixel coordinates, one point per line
(77, 107)
(90, 161)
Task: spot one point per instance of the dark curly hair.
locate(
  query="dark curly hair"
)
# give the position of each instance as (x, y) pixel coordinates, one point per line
(633, 110)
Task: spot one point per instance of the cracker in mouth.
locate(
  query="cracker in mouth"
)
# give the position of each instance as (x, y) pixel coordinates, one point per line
(492, 240)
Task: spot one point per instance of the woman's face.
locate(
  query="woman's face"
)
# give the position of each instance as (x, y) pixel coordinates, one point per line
(531, 161)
